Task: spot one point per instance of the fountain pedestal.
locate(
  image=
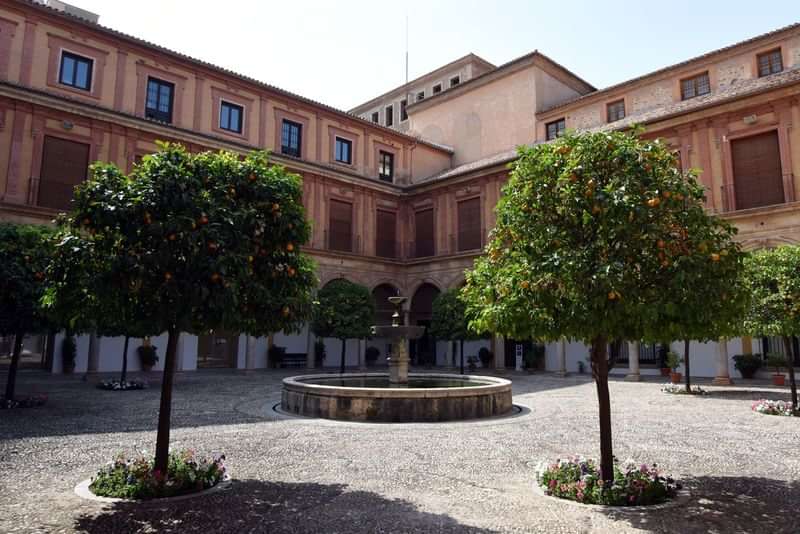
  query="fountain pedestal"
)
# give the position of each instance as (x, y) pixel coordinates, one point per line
(399, 334)
(398, 362)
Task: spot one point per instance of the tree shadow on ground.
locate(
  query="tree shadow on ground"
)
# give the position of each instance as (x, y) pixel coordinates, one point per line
(747, 394)
(274, 507)
(724, 504)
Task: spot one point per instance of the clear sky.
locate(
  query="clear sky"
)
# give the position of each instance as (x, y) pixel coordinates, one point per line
(344, 52)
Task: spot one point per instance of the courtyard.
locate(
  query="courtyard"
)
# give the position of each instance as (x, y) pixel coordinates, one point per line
(307, 475)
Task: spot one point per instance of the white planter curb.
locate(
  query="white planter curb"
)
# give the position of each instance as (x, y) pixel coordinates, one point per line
(82, 490)
(682, 497)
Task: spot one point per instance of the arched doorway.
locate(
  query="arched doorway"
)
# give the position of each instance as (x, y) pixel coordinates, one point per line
(423, 350)
(379, 348)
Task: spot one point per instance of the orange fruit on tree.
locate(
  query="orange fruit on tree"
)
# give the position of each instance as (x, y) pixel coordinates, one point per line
(290, 247)
(714, 256)
(653, 202)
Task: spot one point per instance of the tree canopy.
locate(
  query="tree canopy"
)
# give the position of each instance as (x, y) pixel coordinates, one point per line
(344, 310)
(449, 319)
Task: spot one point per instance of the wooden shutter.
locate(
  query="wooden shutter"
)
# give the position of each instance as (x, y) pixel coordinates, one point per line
(340, 232)
(424, 234)
(386, 234)
(469, 224)
(64, 165)
(757, 171)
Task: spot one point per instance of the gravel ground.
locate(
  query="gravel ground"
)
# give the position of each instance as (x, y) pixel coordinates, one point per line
(300, 475)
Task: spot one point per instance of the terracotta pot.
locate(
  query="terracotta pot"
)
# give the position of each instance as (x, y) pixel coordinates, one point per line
(675, 378)
(665, 371)
(778, 379)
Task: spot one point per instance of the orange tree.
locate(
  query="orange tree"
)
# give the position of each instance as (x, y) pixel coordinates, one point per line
(24, 254)
(200, 241)
(772, 279)
(449, 321)
(592, 232)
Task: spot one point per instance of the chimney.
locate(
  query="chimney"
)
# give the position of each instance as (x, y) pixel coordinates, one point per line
(69, 9)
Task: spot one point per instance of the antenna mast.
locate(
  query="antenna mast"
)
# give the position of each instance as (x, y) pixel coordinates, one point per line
(406, 49)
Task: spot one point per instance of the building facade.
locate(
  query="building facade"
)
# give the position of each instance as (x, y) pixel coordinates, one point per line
(403, 205)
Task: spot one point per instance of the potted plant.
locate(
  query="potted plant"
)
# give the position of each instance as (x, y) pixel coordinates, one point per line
(673, 361)
(581, 367)
(747, 364)
(471, 363)
(319, 352)
(777, 362)
(486, 356)
(662, 358)
(275, 356)
(147, 356)
(372, 354)
(69, 352)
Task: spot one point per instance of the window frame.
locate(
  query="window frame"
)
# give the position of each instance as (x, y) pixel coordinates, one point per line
(381, 166)
(610, 106)
(436, 89)
(457, 81)
(420, 96)
(388, 115)
(376, 117)
(231, 106)
(76, 58)
(156, 112)
(404, 110)
(558, 132)
(343, 142)
(770, 55)
(694, 80)
(288, 150)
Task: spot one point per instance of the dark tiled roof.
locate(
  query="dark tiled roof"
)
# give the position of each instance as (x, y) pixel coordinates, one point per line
(672, 67)
(184, 57)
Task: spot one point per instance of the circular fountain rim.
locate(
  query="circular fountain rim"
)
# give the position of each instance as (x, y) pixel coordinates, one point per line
(488, 384)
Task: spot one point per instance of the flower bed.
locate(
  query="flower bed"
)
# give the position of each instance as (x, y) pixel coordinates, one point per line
(680, 389)
(34, 401)
(770, 407)
(116, 385)
(134, 478)
(578, 479)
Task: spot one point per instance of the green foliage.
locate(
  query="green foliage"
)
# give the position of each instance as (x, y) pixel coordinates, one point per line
(344, 310)
(595, 235)
(673, 361)
(24, 254)
(147, 355)
(190, 242)
(772, 277)
(449, 319)
(485, 356)
(747, 364)
(134, 478)
(275, 355)
(777, 361)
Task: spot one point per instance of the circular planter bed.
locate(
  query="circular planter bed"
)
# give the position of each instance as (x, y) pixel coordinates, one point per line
(135, 480)
(127, 385)
(680, 389)
(34, 401)
(577, 480)
(770, 407)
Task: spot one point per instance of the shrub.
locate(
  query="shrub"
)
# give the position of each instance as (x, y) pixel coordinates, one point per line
(747, 364)
(769, 407)
(275, 356)
(135, 478)
(147, 355)
(122, 385)
(319, 352)
(578, 479)
(777, 361)
(486, 356)
(372, 355)
(69, 353)
(673, 361)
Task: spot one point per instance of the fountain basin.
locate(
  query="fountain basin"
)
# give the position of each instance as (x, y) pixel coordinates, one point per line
(371, 397)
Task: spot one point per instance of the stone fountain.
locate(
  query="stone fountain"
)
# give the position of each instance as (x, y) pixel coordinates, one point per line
(398, 396)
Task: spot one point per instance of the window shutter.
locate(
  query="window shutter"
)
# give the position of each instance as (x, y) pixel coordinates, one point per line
(64, 165)
(386, 234)
(469, 224)
(424, 234)
(341, 226)
(757, 171)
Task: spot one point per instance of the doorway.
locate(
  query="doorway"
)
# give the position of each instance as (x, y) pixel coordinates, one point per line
(217, 350)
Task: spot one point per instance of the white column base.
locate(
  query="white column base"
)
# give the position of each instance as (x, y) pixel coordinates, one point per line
(722, 381)
(633, 377)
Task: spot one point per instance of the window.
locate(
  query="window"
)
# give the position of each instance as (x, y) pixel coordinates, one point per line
(556, 129)
(615, 111)
(340, 233)
(344, 150)
(776, 345)
(386, 166)
(389, 115)
(455, 80)
(695, 86)
(76, 71)
(770, 62)
(291, 138)
(386, 234)
(420, 96)
(64, 165)
(376, 117)
(403, 112)
(757, 179)
(469, 224)
(437, 88)
(423, 233)
(230, 116)
(158, 105)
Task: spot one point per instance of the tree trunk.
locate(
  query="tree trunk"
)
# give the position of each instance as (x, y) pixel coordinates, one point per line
(461, 355)
(11, 384)
(124, 361)
(341, 366)
(600, 374)
(787, 342)
(165, 409)
(686, 365)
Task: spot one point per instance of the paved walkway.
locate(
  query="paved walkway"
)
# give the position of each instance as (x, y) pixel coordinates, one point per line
(313, 476)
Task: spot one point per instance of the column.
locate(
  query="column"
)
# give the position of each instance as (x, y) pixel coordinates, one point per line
(723, 377)
(449, 355)
(562, 357)
(311, 355)
(249, 354)
(499, 349)
(633, 362)
(94, 354)
(362, 354)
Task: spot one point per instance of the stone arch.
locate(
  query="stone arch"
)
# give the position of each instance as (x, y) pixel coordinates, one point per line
(383, 309)
(423, 350)
(767, 242)
(414, 286)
